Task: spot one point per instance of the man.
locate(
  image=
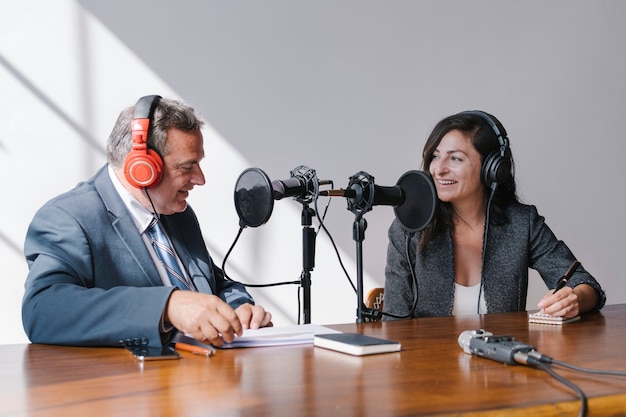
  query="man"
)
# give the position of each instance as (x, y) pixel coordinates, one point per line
(97, 275)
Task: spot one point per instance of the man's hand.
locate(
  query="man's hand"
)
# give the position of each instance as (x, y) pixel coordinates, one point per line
(205, 317)
(253, 316)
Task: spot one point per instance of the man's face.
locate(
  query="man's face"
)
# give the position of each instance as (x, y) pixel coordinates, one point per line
(181, 171)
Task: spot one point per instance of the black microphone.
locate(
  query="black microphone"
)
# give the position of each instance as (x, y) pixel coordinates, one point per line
(303, 185)
(413, 197)
(255, 193)
(503, 349)
(292, 187)
(299, 186)
(388, 196)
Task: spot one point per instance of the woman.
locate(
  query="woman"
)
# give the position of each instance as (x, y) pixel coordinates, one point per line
(475, 254)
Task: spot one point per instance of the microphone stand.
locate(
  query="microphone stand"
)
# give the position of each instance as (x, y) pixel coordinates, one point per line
(360, 205)
(358, 234)
(363, 313)
(308, 258)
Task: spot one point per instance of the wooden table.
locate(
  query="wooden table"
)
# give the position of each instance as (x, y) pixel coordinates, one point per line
(431, 376)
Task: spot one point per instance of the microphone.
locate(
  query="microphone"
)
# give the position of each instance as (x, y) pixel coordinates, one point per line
(255, 193)
(303, 185)
(291, 187)
(413, 197)
(503, 349)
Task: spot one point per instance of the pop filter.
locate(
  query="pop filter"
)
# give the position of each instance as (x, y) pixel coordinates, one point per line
(253, 197)
(420, 201)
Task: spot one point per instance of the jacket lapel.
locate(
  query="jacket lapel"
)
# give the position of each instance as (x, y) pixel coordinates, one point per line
(122, 222)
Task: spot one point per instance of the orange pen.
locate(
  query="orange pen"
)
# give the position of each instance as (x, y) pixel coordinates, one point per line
(198, 350)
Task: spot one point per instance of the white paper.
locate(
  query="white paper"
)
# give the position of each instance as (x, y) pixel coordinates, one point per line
(278, 336)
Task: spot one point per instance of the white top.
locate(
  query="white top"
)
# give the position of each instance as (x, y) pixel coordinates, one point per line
(465, 300)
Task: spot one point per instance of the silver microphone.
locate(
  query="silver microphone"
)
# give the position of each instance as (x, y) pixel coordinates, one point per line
(503, 349)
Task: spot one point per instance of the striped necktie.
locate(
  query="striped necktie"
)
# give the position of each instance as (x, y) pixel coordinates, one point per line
(166, 254)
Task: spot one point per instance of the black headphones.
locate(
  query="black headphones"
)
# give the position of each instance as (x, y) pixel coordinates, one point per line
(143, 167)
(497, 165)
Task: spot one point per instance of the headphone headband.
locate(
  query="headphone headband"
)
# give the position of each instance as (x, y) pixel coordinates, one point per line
(144, 109)
(497, 165)
(502, 138)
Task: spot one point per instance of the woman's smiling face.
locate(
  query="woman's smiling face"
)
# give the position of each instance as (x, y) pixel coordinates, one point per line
(455, 167)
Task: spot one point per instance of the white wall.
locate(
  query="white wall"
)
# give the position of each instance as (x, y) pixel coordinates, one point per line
(339, 86)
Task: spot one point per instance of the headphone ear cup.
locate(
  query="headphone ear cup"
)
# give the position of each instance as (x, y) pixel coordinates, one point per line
(143, 168)
(496, 169)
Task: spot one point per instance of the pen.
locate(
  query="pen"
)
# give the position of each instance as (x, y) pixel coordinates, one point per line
(568, 274)
(198, 350)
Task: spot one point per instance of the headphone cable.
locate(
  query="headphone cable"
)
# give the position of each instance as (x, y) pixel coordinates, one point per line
(482, 260)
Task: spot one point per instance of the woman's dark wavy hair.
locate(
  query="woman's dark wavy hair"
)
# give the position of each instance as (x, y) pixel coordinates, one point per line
(485, 141)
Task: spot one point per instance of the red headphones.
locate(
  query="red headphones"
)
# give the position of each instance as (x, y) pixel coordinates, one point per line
(143, 167)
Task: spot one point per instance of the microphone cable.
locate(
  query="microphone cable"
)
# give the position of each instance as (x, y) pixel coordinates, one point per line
(542, 361)
(375, 314)
(581, 394)
(587, 370)
(321, 221)
(332, 241)
(232, 246)
(540, 357)
(482, 260)
(297, 282)
(379, 314)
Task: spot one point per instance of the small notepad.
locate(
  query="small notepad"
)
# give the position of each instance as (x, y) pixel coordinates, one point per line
(355, 343)
(543, 318)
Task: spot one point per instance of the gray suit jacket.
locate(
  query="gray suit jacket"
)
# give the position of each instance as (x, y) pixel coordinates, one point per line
(524, 242)
(91, 279)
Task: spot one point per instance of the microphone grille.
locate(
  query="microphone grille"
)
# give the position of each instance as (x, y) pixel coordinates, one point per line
(466, 337)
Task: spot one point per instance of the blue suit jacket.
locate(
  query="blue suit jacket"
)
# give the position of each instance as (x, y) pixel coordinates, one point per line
(91, 279)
